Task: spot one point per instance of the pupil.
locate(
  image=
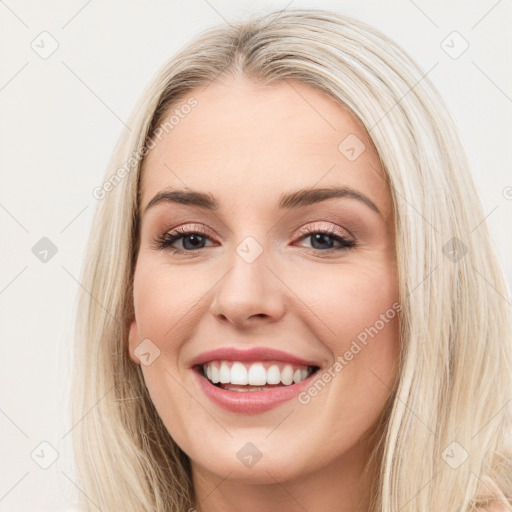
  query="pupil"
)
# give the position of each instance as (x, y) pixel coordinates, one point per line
(321, 237)
(197, 238)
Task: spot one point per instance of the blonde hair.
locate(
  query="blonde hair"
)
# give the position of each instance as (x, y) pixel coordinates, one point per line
(454, 382)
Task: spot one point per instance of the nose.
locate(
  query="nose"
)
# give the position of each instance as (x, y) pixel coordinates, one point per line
(249, 294)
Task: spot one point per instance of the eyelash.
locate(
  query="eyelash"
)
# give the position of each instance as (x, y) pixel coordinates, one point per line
(167, 239)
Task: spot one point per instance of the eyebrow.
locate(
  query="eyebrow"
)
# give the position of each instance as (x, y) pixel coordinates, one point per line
(300, 198)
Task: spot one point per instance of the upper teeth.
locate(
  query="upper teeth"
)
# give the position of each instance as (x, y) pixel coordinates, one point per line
(255, 374)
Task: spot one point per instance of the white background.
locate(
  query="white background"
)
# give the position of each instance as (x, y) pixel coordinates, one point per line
(60, 118)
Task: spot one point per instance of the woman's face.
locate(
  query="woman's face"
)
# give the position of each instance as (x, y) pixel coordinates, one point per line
(268, 268)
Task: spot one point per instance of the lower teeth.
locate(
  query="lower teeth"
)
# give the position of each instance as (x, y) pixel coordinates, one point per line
(233, 387)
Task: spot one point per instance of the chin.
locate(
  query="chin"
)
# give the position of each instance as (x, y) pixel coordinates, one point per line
(242, 462)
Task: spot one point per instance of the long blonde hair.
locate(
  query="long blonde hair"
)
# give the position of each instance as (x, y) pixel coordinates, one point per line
(449, 421)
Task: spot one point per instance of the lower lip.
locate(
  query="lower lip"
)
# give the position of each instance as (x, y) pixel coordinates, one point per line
(250, 402)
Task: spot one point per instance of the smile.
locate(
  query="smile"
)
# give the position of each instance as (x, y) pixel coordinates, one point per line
(256, 376)
(238, 395)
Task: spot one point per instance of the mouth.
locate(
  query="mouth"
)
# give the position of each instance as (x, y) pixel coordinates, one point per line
(258, 376)
(252, 381)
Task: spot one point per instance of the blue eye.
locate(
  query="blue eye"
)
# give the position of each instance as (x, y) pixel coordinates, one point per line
(193, 241)
(322, 236)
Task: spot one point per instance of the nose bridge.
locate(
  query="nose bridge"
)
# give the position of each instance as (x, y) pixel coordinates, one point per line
(249, 288)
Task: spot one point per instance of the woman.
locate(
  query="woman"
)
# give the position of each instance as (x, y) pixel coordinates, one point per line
(226, 359)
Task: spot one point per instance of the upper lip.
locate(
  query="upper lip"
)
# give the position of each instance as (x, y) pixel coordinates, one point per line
(250, 355)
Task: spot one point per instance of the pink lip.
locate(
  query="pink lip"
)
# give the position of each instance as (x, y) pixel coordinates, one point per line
(250, 402)
(252, 354)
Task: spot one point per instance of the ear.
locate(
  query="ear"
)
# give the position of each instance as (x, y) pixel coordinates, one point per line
(133, 340)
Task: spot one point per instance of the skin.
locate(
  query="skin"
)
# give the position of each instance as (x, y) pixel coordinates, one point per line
(246, 144)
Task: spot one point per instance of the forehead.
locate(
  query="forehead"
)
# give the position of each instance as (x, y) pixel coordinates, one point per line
(245, 141)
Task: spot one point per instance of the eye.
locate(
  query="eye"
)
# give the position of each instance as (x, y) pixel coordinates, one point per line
(192, 240)
(322, 237)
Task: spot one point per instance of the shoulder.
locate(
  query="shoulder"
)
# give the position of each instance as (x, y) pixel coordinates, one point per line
(488, 490)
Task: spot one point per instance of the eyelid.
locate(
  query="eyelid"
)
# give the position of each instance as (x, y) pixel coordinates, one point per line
(171, 235)
(313, 226)
(192, 226)
(329, 228)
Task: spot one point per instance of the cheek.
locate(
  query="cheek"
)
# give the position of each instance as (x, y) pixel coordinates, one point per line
(356, 310)
(348, 300)
(164, 297)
